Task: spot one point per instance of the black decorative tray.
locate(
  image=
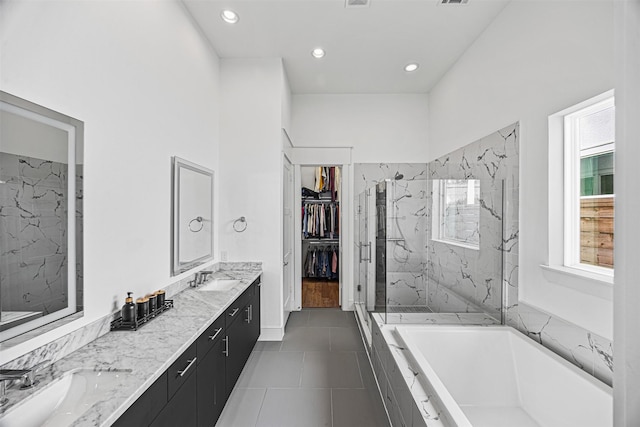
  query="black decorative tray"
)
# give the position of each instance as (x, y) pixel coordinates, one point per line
(120, 325)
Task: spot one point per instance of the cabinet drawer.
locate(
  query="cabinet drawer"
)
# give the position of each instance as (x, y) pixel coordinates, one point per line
(210, 337)
(236, 308)
(181, 369)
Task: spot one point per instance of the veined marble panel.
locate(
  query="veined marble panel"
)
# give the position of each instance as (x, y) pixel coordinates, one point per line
(462, 278)
(33, 223)
(585, 349)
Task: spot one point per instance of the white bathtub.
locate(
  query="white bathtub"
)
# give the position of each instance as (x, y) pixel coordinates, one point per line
(496, 377)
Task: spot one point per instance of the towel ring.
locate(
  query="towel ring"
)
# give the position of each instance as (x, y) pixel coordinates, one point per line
(241, 220)
(198, 220)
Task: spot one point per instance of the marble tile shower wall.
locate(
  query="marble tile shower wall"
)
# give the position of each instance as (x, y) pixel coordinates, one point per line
(33, 222)
(406, 221)
(457, 281)
(463, 279)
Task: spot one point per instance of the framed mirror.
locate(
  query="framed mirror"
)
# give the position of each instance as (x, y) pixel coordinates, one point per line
(192, 215)
(41, 255)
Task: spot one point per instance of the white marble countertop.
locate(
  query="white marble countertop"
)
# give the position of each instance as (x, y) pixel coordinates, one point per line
(146, 353)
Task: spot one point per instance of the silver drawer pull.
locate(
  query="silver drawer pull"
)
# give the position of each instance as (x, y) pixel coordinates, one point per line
(213, 337)
(184, 371)
(248, 319)
(235, 311)
(226, 346)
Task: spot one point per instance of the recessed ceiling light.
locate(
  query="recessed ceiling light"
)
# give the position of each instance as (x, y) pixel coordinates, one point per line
(411, 67)
(229, 16)
(317, 52)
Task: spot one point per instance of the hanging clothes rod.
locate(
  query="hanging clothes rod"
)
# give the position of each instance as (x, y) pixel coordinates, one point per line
(319, 201)
(326, 243)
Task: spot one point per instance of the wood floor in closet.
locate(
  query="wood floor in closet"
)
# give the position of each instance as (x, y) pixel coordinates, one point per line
(320, 293)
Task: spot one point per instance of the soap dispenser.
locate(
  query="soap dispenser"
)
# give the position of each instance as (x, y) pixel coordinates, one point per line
(129, 309)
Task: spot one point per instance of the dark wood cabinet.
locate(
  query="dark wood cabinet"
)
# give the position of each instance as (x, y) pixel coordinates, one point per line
(182, 408)
(212, 388)
(254, 306)
(147, 407)
(195, 388)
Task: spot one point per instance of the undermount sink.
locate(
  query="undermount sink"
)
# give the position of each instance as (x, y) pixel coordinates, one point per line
(63, 401)
(218, 285)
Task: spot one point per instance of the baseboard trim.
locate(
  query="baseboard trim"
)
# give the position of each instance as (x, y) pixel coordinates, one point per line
(271, 334)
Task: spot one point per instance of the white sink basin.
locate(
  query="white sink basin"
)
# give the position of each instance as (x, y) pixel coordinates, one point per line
(218, 285)
(63, 401)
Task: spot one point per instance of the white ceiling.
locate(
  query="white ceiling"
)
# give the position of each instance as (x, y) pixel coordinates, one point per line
(366, 47)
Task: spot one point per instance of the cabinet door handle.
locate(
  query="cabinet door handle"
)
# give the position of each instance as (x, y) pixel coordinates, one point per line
(184, 371)
(226, 346)
(248, 319)
(213, 337)
(234, 312)
(250, 312)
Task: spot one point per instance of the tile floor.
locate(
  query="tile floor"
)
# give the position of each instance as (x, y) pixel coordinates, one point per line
(319, 375)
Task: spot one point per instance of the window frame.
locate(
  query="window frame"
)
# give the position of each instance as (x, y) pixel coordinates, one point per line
(438, 211)
(554, 271)
(572, 156)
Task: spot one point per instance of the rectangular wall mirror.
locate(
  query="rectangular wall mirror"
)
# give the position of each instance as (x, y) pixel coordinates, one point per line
(41, 171)
(192, 212)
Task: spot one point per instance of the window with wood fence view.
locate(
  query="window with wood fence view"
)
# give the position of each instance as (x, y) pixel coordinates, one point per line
(596, 210)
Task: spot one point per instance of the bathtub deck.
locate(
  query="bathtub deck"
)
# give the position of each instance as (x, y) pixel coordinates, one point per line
(498, 416)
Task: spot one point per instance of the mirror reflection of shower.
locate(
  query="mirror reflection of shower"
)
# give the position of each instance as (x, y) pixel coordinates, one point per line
(41, 176)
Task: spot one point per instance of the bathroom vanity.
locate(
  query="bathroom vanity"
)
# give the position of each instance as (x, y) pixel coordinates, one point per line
(178, 369)
(195, 388)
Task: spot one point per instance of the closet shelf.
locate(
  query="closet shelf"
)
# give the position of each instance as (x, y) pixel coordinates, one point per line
(319, 201)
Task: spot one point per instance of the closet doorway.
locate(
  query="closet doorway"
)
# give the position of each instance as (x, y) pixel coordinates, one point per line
(321, 191)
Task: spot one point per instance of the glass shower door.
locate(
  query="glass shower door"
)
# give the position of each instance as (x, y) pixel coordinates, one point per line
(361, 242)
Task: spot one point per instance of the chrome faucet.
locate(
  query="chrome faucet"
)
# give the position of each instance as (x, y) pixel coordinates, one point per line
(201, 276)
(27, 376)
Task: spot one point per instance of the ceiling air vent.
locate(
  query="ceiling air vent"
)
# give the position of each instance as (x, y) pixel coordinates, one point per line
(357, 3)
(454, 1)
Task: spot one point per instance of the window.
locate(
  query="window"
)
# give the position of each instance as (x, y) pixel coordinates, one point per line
(457, 212)
(589, 134)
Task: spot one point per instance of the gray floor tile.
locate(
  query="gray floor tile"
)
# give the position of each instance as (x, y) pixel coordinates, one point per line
(328, 317)
(368, 379)
(346, 339)
(351, 320)
(331, 370)
(297, 318)
(272, 369)
(307, 339)
(267, 346)
(243, 408)
(357, 408)
(296, 408)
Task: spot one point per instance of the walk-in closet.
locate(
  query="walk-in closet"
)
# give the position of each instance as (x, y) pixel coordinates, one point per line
(321, 228)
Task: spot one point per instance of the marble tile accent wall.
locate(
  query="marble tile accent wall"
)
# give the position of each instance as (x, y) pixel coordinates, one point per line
(33, 223)
(465, 279)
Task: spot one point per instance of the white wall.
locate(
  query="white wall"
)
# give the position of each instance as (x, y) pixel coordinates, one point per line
(390, 128)
(145, 84)
(251, 172)
(627, 293)
(536, 58)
